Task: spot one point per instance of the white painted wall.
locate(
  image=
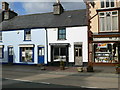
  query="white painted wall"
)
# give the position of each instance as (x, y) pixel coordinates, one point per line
(13, 38)
(73, 34)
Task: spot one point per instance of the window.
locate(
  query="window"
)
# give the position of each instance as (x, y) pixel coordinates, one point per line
(59, 53)
(61, 33)
(27, 54)
(1, 51)
(108, 21)
(41, 51)
(27, 35)
(107, 3)
(106, 52)
(0, 36)
(11, 51)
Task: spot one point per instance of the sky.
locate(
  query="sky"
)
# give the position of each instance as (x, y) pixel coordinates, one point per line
(32, 7)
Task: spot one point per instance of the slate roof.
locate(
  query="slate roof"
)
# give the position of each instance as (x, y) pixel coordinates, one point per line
(46, 20)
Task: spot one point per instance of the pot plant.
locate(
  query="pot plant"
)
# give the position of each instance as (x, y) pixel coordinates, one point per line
(118, 68)
(62, 65)
(42, 66)
(90, 68)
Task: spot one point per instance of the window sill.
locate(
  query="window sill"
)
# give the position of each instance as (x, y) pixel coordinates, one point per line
(108, 9)
(108, 31)
(62, 39)
(27, 40)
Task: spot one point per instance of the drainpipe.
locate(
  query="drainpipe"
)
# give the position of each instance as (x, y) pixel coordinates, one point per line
(46, 44)
(87, 2)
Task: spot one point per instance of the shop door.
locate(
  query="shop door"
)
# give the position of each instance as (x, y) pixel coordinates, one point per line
(41, 55)
(10, 54)
(78, 55)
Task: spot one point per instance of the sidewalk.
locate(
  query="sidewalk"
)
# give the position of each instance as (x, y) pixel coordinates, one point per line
(102, 77)
(108, 70)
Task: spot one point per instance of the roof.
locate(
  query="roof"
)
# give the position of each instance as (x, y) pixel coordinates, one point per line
(46, 20)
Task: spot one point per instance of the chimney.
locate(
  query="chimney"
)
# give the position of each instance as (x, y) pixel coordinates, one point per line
(57, 8)
(7, 13)
(5, 6)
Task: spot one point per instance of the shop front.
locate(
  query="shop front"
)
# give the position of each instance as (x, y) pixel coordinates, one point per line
(106, 50)
(59, 52)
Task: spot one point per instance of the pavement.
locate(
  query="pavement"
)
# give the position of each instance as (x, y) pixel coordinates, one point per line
(102, 77)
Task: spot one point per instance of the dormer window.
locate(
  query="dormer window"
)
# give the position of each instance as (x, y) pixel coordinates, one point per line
(27, 35)
(108, 21)
(107, 3)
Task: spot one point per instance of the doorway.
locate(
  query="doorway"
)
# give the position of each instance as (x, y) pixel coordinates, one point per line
(10, 54)
(41, 55)
(78, 55)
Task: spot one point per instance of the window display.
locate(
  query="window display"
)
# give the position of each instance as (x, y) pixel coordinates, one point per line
(27, 54)
(106, 52)
(60, 53)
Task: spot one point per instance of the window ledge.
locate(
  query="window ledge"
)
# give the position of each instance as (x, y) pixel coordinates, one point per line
(108, 9)
(27, 40)
(62, 39)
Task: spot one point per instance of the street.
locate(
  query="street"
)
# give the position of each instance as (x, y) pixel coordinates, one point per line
(33, 77)
(26, 84)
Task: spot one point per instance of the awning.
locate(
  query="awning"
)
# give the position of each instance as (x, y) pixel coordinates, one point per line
(40, 45)
(26, 45)
(59, 44)
(1, 46)
(10, 46)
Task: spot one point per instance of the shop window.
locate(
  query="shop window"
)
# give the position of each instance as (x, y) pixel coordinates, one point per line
(59, 53)
(61, 33)
(107, 3)
(108, 21)
(27, 54)
(106, 53)
(1, 52)
(27, 35)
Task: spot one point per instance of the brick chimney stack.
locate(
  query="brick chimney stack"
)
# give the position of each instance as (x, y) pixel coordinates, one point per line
(57, 8)
(6, 12)
(5, 6)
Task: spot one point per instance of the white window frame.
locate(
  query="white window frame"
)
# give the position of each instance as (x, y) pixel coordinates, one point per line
(27, 37)
(105, 18)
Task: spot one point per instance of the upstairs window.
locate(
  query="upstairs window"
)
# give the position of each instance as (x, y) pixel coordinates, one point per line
(27, 35)
(61, 33)
(108, 21)
(0, 36)
(107, 3)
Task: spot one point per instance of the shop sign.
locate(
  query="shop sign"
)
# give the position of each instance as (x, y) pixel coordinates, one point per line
(107, 39)
(102, 45)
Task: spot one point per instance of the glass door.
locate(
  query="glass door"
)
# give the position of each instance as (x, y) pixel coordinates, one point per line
(10, 54)
(41, 55)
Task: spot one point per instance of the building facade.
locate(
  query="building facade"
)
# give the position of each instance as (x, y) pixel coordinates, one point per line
(26, 46)
(68, 44)
(104, 22)
(44, 38)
